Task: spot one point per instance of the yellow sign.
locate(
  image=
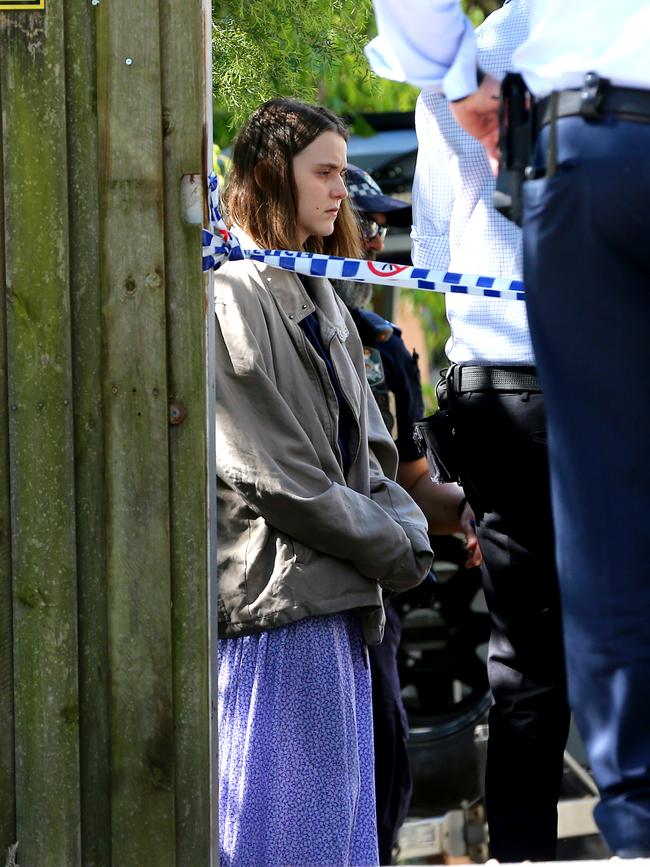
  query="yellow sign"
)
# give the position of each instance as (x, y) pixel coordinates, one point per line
(21, 4)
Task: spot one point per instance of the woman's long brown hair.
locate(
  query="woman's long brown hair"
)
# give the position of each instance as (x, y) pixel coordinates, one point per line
(261, 194)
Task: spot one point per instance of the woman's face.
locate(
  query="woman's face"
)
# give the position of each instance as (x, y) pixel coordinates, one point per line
(318, 171)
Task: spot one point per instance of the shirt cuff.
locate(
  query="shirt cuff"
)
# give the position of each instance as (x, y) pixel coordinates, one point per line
(460, 79)
(385, 63)
(456, 81)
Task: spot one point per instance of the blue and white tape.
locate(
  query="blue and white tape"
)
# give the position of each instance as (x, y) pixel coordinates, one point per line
(219, 245)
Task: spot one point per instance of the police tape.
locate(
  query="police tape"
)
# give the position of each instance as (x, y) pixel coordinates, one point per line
(220, 245)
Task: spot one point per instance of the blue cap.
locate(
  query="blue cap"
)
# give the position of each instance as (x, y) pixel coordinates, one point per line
(366, 196)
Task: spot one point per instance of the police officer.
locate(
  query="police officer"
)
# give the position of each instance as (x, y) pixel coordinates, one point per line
(493, 399)
(587, 275)
(394, 377)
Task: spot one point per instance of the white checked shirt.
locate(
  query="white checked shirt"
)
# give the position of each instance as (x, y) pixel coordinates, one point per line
(430, 44)
(455, 225)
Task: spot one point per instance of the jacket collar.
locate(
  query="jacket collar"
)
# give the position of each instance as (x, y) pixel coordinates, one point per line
(297, 301)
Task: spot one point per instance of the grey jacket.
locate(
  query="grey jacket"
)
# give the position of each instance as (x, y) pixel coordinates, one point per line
(296, 538)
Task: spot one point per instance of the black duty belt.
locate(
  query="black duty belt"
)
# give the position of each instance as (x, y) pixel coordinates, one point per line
(597, 97)
(476, 378)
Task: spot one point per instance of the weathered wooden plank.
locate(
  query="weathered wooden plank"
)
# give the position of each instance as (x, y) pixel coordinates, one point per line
(136, 433)
(7, 793)
(212, 485)
(41, 437)
(83, 188)
(184, 111)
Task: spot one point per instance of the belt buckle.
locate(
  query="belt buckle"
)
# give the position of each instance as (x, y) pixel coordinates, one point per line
(453, 378)
(445, 385)
(591, 96)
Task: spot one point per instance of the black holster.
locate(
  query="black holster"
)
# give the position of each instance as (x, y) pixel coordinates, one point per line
(516, 134)
(435, 436)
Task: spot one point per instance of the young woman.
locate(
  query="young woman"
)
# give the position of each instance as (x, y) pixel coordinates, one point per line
(311, 523)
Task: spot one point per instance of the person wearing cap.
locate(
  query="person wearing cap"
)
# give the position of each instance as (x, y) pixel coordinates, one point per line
(392, 370)
(376, 210)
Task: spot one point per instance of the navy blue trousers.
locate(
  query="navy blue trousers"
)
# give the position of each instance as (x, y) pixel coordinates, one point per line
(587, 274)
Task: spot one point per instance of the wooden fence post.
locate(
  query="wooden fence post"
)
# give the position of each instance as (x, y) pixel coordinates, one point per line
(41, 453)
(136, 429)
(83, 182)
(7, 778)
(105, 738)
(183, 39)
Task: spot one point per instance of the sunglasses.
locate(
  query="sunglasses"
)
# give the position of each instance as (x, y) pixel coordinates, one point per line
(371, 230)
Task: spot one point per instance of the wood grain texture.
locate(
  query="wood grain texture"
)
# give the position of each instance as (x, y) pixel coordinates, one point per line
(40, 437)
(7, 775)
(184, 93)
(83, 193)
(136, 433)
(105, 738)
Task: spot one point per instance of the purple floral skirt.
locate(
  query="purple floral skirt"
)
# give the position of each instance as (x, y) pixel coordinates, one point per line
(296, 760)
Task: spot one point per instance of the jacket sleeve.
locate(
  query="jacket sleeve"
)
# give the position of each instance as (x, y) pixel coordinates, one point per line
(266, 456)
(397, 503)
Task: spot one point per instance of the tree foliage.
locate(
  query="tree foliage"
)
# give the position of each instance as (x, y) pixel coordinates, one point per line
(267, 48)
(308, 49)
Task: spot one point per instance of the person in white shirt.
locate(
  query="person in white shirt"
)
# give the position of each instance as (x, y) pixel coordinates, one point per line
(587, 276)
(501, 456)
